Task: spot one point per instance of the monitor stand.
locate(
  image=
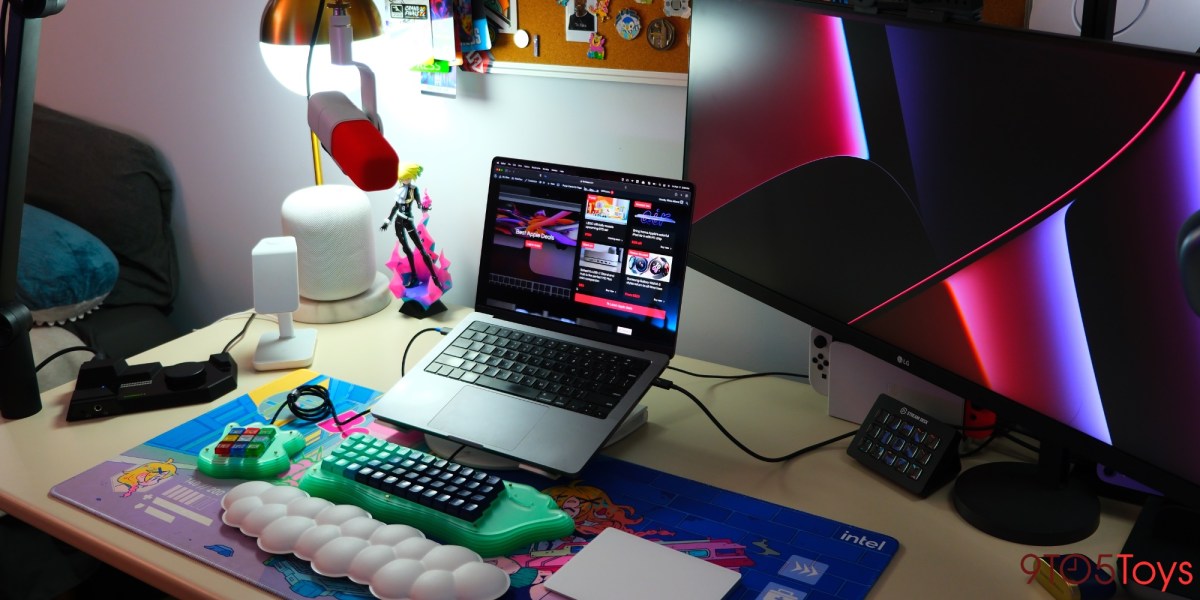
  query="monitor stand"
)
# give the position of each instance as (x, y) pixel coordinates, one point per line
(482, 459)
(1038, 504)
(1164, 538)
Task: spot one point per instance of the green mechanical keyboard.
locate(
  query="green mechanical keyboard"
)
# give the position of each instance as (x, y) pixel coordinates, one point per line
(449, 502)
(256, 451)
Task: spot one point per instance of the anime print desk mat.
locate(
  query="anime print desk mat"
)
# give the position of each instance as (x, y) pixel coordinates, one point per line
(156, 490)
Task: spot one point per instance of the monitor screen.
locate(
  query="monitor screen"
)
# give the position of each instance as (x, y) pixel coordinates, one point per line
(998, 211)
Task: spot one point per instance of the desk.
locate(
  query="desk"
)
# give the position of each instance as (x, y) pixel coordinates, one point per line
(940, 555)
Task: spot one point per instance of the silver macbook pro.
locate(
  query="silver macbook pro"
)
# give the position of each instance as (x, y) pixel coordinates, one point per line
(576, 314)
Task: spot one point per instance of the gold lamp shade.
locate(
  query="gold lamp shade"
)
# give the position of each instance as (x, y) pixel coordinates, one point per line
(290, 22)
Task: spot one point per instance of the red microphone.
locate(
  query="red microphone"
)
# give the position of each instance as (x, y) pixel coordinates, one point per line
(353, 141)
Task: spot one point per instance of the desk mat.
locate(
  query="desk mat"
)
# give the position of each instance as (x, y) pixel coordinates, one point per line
(155, 489)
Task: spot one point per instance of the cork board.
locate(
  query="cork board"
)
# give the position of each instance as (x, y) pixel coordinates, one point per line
(630, 60)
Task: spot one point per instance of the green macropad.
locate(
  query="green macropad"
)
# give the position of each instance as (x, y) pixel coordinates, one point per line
(255, 451)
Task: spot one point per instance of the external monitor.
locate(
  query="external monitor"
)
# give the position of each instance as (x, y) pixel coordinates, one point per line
(998, 212)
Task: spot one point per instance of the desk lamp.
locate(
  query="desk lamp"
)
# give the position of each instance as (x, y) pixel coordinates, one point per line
(339, 280)
(19, 394)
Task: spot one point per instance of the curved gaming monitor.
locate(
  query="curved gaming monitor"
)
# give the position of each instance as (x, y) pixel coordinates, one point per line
(998, 212)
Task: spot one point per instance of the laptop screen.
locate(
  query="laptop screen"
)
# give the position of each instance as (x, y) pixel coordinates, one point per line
(588, 252)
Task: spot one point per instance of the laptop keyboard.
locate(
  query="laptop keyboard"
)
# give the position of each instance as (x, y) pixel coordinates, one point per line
(577, 378)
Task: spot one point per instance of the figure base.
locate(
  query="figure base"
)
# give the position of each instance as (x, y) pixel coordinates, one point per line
(414, 309)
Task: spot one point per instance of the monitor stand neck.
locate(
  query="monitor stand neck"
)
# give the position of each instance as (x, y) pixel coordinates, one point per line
(1039, 504)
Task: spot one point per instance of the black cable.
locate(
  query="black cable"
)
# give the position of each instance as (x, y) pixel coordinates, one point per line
(404, 357)
(241, 334)
(314, 414)
(100, 354)
(984, 444)
(1010, 433)
(668, 385)
(998, 431)
(1022, 443)
(745, 376)
(312, 44)
(975, 427)
(47, 360)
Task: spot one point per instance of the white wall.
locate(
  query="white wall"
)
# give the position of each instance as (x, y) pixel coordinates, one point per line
(1169, 24)
(188, 77)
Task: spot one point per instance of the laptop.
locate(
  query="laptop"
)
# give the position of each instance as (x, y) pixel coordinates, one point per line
(576, 314)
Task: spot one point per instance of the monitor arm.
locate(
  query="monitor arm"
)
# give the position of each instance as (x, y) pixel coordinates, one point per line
(19, 395)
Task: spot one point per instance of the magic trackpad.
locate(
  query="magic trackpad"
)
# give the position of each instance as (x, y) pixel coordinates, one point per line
(484, 417)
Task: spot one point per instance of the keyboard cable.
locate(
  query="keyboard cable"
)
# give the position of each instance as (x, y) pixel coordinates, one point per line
(324, 408)
(307, 412)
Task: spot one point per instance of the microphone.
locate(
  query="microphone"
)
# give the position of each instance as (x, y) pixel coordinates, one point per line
(353, 141)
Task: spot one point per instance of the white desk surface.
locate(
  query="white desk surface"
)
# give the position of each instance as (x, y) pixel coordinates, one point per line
(940, 555)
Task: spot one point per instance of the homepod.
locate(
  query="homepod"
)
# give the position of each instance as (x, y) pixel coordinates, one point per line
(339, 280)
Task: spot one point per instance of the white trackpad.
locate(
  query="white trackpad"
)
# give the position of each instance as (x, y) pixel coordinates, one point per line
(621, 565)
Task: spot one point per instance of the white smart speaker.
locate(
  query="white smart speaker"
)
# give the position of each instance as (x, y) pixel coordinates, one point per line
(277, 292)
(339, 278)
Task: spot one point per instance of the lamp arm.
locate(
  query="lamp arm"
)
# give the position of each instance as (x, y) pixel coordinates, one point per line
(341, 37)
(366, 80)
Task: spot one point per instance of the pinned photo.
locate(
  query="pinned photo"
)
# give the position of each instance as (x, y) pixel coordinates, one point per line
(581, 20)
(503, 13)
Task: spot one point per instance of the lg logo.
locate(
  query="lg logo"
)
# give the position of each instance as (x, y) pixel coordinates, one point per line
(900, 360)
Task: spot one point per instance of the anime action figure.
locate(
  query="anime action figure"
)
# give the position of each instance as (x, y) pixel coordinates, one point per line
(422, 282)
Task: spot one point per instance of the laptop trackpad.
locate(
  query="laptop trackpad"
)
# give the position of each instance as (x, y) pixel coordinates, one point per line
(484, 417)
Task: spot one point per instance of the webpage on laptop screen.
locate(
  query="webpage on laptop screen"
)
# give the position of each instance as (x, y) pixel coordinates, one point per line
(601, 253)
